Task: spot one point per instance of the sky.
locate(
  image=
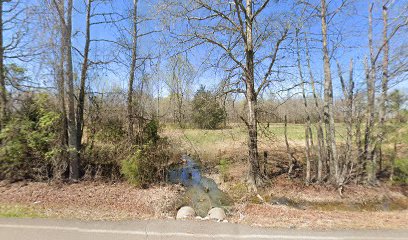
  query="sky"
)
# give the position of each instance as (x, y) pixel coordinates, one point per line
(352, 22)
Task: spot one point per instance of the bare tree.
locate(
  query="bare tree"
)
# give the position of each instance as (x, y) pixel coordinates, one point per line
(368, 145)
(348, 92)
(289, 151)
(308, 129)
(132, 71)
(130, 55)
(61, 98)
(3, 90)
(328, 99)
(13, 30)
(384, 82)
(84, 71)
(231, 29)
(179, 83)
(374, 135)
(66, 22)
(72, 130)
(319, 125)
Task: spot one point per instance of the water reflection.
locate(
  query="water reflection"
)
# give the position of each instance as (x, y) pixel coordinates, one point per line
(202, 193)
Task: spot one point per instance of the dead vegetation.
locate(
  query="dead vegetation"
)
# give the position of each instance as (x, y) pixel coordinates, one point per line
(121, 201)
(93, 201)
(266, 215)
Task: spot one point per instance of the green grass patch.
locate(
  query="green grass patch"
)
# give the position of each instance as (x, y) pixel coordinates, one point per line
(238, 132)
(19, 211)
(224, 167)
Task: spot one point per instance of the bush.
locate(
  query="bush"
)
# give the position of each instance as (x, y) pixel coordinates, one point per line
(207, 113)
(130, 168)
(401, 171)
(147, 164)
(28, 140)
(151, 131)
(110, 129)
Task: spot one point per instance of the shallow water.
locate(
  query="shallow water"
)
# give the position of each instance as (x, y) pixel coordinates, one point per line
(202, 193)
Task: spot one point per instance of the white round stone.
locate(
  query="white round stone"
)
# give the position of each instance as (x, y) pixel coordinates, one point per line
(217, 214)
(185, 212)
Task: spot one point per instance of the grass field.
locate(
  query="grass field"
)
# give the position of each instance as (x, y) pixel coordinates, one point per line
(212, 146)
(231, 142)
(275, 131)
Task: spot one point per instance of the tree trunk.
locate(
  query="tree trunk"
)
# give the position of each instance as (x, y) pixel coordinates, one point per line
(396, 141)
(292, 160)
(348, 90)
(308, 132)
(58, 171)
(254, 176)
(348, 114)
(132, 73)
(384, 82)
(393, 157)
(328, 100)
(84, 70)
(158, 101)
(320, 135)
(3, 90)
(369, 146)
(72, 131)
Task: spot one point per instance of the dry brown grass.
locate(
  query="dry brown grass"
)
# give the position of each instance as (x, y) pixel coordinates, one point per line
(266, 215)
(297, 190)
(210, 146)
(120, 201)
(92, 201)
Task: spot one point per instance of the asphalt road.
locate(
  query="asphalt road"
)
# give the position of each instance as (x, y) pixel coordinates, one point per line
(48, 229)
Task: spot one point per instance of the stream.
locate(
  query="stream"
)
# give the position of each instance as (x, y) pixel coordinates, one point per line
(202, 193)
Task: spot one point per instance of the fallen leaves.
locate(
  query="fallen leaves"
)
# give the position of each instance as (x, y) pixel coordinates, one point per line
(93, 201)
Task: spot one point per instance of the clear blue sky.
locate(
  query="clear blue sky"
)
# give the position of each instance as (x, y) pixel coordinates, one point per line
(352, 22)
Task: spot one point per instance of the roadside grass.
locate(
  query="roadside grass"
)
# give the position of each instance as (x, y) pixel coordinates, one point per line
(19, 211)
